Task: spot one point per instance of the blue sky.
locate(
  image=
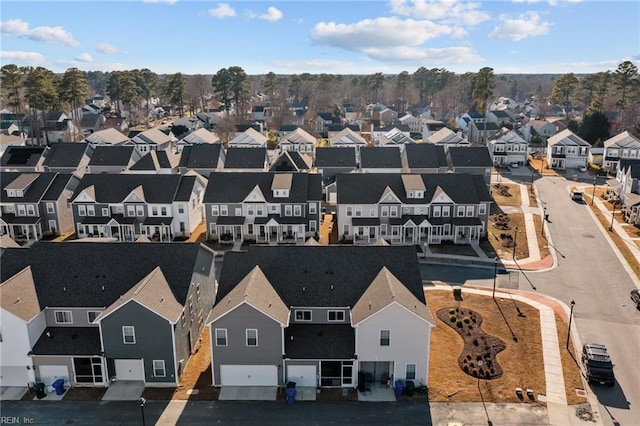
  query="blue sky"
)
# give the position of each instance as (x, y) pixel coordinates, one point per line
(336, 37)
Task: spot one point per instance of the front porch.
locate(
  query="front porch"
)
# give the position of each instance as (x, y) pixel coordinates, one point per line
(106, 227)
(281, 230)
(21, 229)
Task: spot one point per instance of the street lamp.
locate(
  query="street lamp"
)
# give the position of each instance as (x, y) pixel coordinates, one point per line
(142, 401)
(495, 274)
(593, 196)
(572, 303)
(515, 240)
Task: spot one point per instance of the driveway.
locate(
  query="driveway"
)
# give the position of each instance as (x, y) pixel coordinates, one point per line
(12, 393)
(248, 393)
(124, 390)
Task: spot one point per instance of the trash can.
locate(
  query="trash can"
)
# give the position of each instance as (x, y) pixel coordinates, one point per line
(291, 385)
(291, 395)
(409, 388)
(39, 390)
(399, 388)
(58, 385)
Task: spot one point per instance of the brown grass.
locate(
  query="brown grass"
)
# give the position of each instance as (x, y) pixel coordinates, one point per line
(522, 361)
(570, 369)
(539, 165)
(522, 248)
(450, 248)
(501, 200)
(532, 197)
(84, 394)
(542, 242)
(333, 394)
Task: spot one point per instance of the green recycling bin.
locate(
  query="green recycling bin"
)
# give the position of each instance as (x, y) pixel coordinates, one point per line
(39, 390)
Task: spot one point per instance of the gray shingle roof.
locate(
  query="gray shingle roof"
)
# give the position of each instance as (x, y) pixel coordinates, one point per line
(425, 156)
(106, 155)
(77, 274)
(380, 158)
(322, 275)
(228, 187)
(34, 193)
(335, 157)
(201, 156)
(68, 341)
(319, 341)
(470, 156)
(65, 154)
(21, 156)
(112, 188)
(367, 188)
(245, 158)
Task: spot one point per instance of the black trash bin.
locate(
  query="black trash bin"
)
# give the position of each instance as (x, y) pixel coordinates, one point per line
(38, 388)
(409, 388)
(58, 385)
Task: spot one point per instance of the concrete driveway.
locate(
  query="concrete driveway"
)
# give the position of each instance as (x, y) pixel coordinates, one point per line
(12, 393)
(124, 390)
(248, 393)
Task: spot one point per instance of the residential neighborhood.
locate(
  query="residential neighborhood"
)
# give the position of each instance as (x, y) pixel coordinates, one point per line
(270, 249)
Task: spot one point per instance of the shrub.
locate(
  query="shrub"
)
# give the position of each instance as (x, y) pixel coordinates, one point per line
(470, 327)
(466, 320)
(479, 357)
(452, 312)
(459, 324)
(469, 356)
(466, 369)
(452, 318)
(475, 342)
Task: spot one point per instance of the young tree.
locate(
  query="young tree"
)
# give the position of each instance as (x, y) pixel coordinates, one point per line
(563, 90)
(12, 79)
(203, 87)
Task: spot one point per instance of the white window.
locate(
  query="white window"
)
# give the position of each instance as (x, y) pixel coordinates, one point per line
(482, 209)
(349, 211)
(63, 317)
(158, 368)
(312, 208)
(128, 334)
(394, 211)
(11, 192)
(358, 211)
(92, 315)
(274, 208)
(224, 211)
(385, 337)
(372, 212)
(445, 211)
(335, 315)
(238, 211)
(297, 210)
(82, 210)
(221, 337)
(469, 211)
(303, 315)
(181, 208)
(154, 211)
(460, 211)
(384, 211)
(22, 211)
(197, 292)
(131, 210)
(214, 210)
(31, 210)
(105, 212)
(312, 226)
(250, 211)
(163, 211)
(410, 372)
(19, 193)
(50, 208)
(437, 211)
(91, 211)
(252, 337)
(139, 210)
(287, 210)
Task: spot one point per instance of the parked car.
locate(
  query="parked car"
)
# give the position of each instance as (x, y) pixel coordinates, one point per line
(514, 165)
(582, 168)
(576, 195)
(597, 364)
(635, 296)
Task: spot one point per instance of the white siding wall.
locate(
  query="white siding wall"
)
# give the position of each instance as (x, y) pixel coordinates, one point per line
(36, 327)
(409, 342)
(15, 342)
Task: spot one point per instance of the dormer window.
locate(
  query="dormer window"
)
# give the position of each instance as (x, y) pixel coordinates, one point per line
(11, 193)
(19, 193)
(281, 193)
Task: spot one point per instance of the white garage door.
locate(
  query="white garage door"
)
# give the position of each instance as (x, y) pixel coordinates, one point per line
(51, 373)
(14, 376)
(129, 369)
(303, 375)
(248, 375)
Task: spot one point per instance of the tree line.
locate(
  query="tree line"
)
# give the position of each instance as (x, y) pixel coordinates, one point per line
(446, 93)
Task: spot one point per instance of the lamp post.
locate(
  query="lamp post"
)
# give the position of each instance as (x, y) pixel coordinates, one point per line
(515, 240)
(572, 303)
(593, 195)
(142, 401)
(495, 274)
(613, 213)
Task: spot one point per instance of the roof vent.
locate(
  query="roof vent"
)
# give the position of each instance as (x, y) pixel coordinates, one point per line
(331, 286)
(304, 288)
(17, 300)
(64, 289)
(370, 305)
(48, 334)
(291, 338)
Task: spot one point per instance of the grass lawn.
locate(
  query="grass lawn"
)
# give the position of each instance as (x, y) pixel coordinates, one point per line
(513, 199)
(494, 237)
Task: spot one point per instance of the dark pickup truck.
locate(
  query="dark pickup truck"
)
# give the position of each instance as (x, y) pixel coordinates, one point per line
(597, 364)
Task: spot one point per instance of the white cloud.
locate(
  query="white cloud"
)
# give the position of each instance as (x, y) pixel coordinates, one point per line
(378, 33)
(327, 66)
(22, 58)
(447, 11)
(427, 56)
(520, 27)
(63, 64)
(107, 48)
(19, 28)
(582, 67)
(551, 2)
(222, 10)
(84, 57)
(160, 1)
(272, 15)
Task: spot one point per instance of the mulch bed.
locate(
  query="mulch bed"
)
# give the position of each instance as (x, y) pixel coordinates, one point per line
(335, 394)
(84, 394)
(478, 357)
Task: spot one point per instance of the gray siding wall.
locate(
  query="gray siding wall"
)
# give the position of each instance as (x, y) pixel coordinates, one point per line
(153, 340)
(268, 351)
(188, 335)
(78, 315)
(320, 315)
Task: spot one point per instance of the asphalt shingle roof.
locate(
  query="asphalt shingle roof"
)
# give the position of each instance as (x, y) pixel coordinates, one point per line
(319, 341)
(470, 156)
(34, 193)
(322, 275)
(380, 158)
(68, 341)
(65, 154)
(228, 187)
(245, 158)
(425, 156)
(111, 188)
(201, 156)
(77, 274)
(21, 156)
(111, 156)
(335, 157)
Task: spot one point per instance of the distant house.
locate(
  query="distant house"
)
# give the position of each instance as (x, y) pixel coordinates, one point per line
(347, 138)
(387, 116)
(200, 136)
(429, 127)
(470, 159)
(380, 160)
(508, 148)
(59, 127)
(331, 161)
(90, 123)
(112, 159)
(150, 140)
(202, 158)
(447, 138)
(156, 162)
(250, 138)
(67, 158)
(109, 136)
(298, 140)
(378, 131)
(22, 158)
(479, 133)
(567, 150)
(395, 138)
(118, 123)
(258, 113)
(292, 161)
(413, 123)
(540, 128)
(621, 146)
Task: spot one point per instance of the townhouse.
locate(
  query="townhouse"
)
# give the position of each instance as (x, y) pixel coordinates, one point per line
(567, 150)
(508, 148)
(623, 146)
